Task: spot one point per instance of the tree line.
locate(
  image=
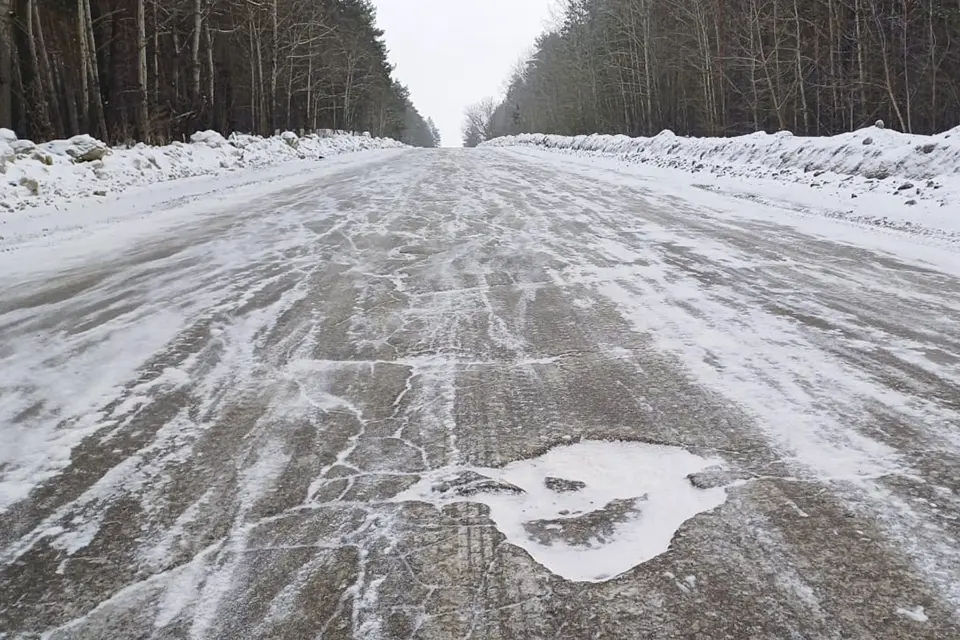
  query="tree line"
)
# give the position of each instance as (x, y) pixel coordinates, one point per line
(727, 67)
(158, 70)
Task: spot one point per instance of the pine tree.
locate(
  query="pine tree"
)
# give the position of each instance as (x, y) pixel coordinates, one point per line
(229, 65)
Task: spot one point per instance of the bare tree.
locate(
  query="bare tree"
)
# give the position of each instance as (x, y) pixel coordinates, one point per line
(710, 67)
(478, 122)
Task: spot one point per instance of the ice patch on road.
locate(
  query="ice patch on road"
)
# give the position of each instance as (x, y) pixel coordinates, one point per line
(636, 497)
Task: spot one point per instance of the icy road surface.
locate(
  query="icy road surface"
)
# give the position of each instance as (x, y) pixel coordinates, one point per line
(477, 394)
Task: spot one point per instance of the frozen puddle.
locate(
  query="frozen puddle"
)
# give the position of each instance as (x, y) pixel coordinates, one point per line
(587, 511)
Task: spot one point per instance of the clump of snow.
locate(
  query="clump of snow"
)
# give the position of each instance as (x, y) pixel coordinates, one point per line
(292, 139)
(916, 614)
(22, 147)
(210, 138)
(630, 498)
(86, 148)
(65, 170)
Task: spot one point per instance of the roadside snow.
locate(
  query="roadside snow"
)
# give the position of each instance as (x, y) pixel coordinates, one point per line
(34, 175)
(873, 177)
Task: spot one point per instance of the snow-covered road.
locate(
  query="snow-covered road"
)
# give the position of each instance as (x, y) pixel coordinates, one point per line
(476, 394)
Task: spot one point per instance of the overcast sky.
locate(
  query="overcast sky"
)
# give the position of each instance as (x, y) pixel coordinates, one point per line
(451, 53)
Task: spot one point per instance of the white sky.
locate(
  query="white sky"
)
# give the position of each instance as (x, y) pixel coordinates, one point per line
(451, 53)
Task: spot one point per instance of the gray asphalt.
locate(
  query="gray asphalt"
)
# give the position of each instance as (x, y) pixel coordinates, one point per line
(334, 342)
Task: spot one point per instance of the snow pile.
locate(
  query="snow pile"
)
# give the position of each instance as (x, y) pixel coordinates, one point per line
(873, 176)
(43, 174)
(873, 152)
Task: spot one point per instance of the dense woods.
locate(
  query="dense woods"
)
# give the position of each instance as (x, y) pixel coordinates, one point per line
(156, 70)
(723, 67)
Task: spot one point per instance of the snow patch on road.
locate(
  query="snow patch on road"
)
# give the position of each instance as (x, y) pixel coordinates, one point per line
(916, 614)
(587, 511)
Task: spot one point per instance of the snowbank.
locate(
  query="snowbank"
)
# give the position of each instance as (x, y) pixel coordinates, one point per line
(872, 177)
(42, 174)
(874, 152)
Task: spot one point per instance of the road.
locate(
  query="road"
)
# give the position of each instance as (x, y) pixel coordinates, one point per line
(356, 409)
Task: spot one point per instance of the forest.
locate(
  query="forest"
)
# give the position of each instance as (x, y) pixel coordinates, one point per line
(158, 70)
(728, 67)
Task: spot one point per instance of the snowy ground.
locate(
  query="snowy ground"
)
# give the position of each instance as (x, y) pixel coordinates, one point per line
(493, 393)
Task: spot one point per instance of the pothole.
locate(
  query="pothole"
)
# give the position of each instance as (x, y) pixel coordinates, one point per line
(586, 511)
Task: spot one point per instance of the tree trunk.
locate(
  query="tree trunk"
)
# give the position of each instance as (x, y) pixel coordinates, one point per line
(143, 108)
(347, 119)
(73, 119)
(46, 75)
(195, 53)
(801, 80)
(887, 75)
(34, 118)
(177, 85)
(834, 102)
(647, 67)
(84, 76)
(94, 72)
(254, 110)
(274, 65)
(308, 115)
(211, 72)
(772, 83)
(156, 56)
(264, 124)
(934, 112)
(906, 68)
(289, 124)
(6, 65)
(861, 74)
